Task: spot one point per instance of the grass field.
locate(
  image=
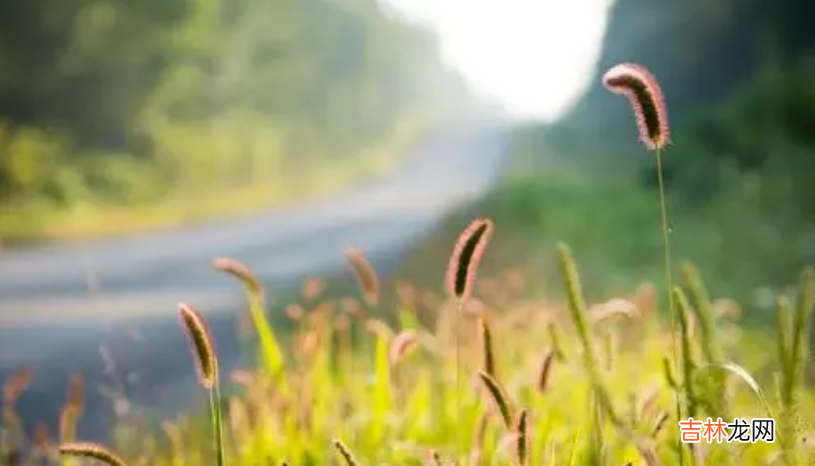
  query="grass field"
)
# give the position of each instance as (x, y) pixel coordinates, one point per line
(593, 382)
(516, 360)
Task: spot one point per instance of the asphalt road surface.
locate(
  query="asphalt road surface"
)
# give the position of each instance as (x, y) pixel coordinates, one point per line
(65, 307)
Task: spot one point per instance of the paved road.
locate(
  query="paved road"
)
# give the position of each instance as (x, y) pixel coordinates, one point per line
(50, 321)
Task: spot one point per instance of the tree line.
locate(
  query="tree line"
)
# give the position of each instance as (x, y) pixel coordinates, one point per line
(125, 102)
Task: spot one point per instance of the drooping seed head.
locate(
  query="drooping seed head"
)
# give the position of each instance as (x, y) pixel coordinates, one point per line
(466, 258)
(647, 402)
(498, 396)
(379, 328)
(545, 372)
(659, 423)
(312, 288)
(488, 354)
(239, 271)
(92, 451)
(15, 385)
(522, 432)
(201, 344)
(401, 345)
(345, 453)
(645, 96)
(617, 307)
(365, 274)
(434, 459)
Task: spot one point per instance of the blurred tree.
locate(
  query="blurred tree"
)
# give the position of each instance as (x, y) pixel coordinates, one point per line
(203, 92)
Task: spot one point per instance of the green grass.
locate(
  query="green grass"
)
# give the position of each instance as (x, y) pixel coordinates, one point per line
(391, 399)
(557, 370)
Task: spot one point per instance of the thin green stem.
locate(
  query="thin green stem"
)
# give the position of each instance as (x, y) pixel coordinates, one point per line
(669, 285)
(459, 410)
(217, 424)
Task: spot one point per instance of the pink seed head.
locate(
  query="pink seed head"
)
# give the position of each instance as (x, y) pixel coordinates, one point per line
(645, 96)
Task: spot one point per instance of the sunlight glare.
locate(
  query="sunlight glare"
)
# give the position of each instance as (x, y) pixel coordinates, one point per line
(533, 56)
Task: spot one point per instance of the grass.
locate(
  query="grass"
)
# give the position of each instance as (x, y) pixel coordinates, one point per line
(392, 398)
(488, 371)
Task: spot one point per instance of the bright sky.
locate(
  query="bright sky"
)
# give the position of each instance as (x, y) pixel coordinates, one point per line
(533, 56)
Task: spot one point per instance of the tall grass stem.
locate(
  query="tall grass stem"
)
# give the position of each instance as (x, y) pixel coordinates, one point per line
(666, 247)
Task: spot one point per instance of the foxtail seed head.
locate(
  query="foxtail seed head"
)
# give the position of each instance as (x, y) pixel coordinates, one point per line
(522, 430)
(498, 396)
(201, 344)
(15, 385)
(239, 271)
(434, 459)
(467, 255)
(364, 272)
(659, 423)
(401, 345)
(545, 372)
(488, 354)
(345, 453)
(92, 451)
(645, 96)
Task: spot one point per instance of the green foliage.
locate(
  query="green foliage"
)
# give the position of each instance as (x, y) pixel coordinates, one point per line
(390, 410)
(115, 106)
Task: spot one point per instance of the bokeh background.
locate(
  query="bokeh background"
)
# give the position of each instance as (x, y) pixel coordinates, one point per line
(139, 140)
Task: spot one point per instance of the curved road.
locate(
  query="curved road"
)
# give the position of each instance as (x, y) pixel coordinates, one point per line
(59, 303)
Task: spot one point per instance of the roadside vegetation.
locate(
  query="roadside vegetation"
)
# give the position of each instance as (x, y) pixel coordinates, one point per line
(533, 352)
(120, 117)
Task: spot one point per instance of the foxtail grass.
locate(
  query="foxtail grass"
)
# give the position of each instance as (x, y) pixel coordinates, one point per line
(462, 268)
(365, 274)
(498, 397)
(345, 453)
(91, 451)
(277, 426)
(545, 371)
(205, 360)
(468, 253)
(791, 328)
(434, 459)
(271, 355)
(402, 344)
(522, 440)
(647, 102)
(487, 352)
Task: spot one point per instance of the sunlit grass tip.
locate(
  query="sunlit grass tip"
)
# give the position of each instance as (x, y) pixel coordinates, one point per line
(92, 451)
(365, 274)
(238, 270)
(645, 96)
(466, 258)
(201, 344)
(401, 345)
